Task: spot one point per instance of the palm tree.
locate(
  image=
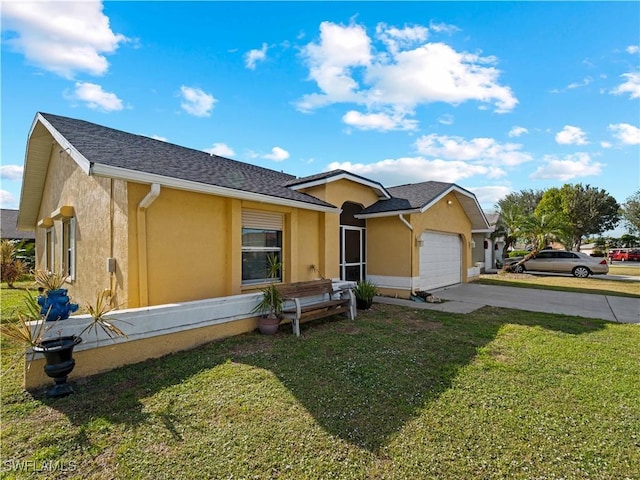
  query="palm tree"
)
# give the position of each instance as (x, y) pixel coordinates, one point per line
(507, 227)
(539, 230)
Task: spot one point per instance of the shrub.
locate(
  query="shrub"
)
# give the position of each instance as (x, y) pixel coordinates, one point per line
(11, 267)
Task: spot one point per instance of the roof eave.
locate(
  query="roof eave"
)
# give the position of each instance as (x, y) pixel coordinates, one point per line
(119, 173)
(36, 163)
(390, 213)
(382, 192)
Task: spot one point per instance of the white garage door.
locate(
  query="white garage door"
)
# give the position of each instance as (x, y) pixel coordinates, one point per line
(440, 260)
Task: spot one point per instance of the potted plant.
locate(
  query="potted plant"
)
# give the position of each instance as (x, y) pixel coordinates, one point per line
(272, 303)
(31, 329)
(364, 292)
(53, 299)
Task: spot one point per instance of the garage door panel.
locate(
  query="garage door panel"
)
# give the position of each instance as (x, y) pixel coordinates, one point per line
(440, 260)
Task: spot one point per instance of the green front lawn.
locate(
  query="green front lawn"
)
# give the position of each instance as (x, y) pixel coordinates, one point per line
(397, 394)
(593, 284)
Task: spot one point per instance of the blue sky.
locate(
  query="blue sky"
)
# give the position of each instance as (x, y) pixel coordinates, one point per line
(495, 97)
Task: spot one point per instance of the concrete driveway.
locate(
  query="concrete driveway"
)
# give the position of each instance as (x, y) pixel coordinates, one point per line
(467, 297)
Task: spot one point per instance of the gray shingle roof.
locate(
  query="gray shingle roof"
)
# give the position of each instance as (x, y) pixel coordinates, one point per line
(409, 197)
(115, 148)
(9, 226)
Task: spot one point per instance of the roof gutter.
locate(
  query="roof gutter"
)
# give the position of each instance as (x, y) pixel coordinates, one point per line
(143, 273)
(101, 170)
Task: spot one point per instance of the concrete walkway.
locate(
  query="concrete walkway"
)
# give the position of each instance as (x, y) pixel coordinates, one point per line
(466, 298)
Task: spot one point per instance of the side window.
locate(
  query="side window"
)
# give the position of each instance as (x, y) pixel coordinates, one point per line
(48, 250)
(68, 253)
(544, 255)
(261, 239)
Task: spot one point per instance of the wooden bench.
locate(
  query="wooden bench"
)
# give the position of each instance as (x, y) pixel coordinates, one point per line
(315, 299)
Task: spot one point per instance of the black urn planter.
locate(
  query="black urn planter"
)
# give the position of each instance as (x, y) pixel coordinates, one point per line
(58, 352)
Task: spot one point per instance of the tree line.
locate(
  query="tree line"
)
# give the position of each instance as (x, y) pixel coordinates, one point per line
(568, 215)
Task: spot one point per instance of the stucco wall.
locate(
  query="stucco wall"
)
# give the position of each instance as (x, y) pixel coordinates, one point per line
(193, 245)
(340, 191)
(101, 227)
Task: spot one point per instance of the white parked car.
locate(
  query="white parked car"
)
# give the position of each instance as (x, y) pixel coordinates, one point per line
(562, 261)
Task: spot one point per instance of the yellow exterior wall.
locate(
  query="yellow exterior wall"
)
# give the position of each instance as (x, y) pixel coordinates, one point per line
(110, 356)
(193, 245)
(340, 191)
(389, 247)
(101, 227)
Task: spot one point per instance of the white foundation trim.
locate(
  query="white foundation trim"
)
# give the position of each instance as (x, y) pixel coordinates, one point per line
(400, 283)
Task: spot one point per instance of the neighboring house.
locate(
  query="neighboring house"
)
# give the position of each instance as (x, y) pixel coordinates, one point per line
(487, 249)
(9, 227)
(180, 238)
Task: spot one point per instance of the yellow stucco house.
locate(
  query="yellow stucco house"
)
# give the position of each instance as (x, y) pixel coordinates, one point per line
(159, 224)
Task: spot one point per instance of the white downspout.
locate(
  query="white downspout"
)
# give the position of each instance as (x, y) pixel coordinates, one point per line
(404, 220)
(411, 247)
(143, 273)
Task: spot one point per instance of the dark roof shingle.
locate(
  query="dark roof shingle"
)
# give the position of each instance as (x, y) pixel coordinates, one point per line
(115, 148)
(9, 226)
(409, 197)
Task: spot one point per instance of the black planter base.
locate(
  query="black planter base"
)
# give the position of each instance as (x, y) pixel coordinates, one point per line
(59, 390)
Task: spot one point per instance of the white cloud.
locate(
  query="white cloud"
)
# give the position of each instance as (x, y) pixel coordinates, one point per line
(378, 121)
(11, 172)
(584, 83)
(605, 144)
(631, 86)
(159, 137)
(633, 49)
(221, 149)
(627, 134)
(61, 37)
(7, 199)
(491, 194)
(196, 102)
(396, 39)
(446, 119)
(340, 49)
(571, 166)
(483, 150)
(443, 27)
(517, 131)
(416, 169)
(277, 154)
(254, 56)
(571, 135)
(400, 73)
(95, 97)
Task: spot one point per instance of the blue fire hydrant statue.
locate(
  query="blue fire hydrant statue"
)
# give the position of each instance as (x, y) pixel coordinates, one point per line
(55, 305)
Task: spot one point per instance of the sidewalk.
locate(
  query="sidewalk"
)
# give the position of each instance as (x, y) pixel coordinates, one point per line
(468, 297)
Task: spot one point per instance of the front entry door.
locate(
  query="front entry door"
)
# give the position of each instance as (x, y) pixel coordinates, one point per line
(352, 253)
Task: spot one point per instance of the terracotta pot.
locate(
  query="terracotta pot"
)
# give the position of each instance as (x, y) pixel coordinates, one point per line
(268, 325)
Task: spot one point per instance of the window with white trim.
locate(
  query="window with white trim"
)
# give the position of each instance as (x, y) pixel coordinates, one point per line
(48, 250)
(261, 238)
(68, 248)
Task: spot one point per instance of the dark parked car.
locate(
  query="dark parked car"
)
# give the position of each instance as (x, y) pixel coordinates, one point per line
(562, 261)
